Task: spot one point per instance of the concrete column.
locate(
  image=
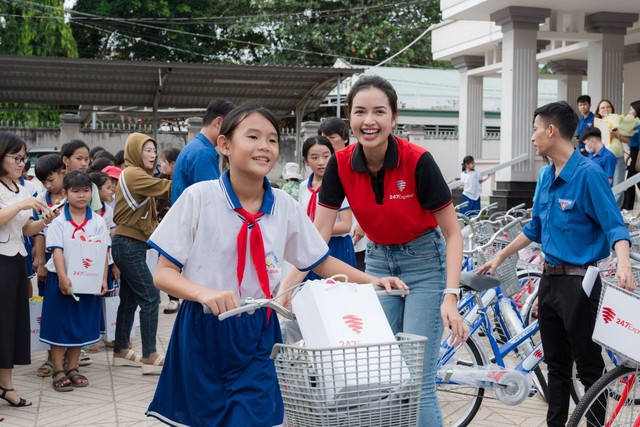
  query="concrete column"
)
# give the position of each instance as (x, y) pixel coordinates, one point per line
(519, 86)
(470, 124)
(520, 27)
(194, 124)
(69, 127)
(571, 72)
(307, 130)
(606, 56)
(631, 75)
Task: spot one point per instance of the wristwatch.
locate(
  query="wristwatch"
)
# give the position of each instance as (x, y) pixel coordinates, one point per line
(456, 291)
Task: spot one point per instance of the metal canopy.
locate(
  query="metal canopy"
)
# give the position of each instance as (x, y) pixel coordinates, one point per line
(158, 85)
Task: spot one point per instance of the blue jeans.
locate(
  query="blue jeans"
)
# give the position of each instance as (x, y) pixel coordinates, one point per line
(421, 265)
(136, 289)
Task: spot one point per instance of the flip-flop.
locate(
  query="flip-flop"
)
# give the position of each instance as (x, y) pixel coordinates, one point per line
(46, 366)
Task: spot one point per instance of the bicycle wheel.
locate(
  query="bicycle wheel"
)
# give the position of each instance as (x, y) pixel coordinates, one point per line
(610, 401)
(460, 403)
(577, 389)
(540, 384)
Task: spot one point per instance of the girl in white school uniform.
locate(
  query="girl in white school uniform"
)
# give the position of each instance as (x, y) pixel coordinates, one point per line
(219, 373)
(316, 152)
(67, 324)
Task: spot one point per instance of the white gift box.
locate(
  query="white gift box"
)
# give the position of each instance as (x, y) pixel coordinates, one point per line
(85, 262)
(336, 314)
(618, 321)
(35, 317)
(110, 312)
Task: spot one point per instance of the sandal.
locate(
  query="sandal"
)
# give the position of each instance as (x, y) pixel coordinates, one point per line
(78, 380)
(172, 307)
(58, 384)
(153, 368)
(45, 370)
(85, 359)
(20, 403)
(129, 359)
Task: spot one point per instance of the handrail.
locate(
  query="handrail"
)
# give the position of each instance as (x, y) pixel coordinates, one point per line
(626, 184)
(521, 158)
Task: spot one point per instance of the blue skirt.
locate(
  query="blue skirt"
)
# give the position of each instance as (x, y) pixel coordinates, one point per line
(67, 322)
(341, 248)
(219, 373)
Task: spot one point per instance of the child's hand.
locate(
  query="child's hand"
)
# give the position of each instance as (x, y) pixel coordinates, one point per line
(390, 283)
(41, 271)
(219, 301)
(104, 289)
(115, 272)
(65, 285)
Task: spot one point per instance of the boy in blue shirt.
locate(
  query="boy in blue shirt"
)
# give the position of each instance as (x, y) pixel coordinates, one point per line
(577, 221)
(598, 153)
(586, 120)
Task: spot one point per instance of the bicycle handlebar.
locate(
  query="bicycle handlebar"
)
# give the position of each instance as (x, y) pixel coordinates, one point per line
(497, 234)
(250, 305)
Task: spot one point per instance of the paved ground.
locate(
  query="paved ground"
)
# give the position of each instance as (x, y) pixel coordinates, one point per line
(120, 396)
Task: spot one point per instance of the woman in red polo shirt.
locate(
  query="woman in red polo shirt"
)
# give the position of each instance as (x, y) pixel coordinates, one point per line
(403, 204)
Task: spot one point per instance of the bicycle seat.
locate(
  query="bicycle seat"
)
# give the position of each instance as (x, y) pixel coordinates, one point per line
(478, 283)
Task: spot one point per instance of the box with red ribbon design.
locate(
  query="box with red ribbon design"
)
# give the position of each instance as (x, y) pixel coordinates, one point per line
(618, 320)
(334, 316)
(85, 258)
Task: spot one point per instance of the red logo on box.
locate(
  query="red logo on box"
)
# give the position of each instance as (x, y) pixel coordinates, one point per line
(608, 314)
(538, 354)
(86, 262)
(354, 322)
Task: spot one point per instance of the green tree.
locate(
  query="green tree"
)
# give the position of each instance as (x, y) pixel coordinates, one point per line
(34, 28)
(165, 30)
(288, 32)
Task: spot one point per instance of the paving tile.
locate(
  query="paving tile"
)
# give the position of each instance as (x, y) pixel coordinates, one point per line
(119, 396)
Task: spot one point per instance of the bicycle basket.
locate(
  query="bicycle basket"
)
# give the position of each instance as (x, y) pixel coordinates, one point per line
(482, 232)
(506, 272)
(358, 386)
(618, 320)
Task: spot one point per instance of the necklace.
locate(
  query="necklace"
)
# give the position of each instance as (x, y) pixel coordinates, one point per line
(16, 191)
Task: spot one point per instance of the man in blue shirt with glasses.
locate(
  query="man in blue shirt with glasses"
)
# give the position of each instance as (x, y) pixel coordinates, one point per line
(577, 221)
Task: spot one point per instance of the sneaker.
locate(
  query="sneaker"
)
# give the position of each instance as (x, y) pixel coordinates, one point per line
(172, 307)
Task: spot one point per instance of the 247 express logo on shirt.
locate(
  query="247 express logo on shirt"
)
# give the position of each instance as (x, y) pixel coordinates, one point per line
(401, 184)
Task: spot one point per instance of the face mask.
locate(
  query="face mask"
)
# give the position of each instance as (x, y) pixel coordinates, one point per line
(589, 149)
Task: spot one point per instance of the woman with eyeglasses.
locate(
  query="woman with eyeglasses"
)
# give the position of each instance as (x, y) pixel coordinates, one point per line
(16, 221)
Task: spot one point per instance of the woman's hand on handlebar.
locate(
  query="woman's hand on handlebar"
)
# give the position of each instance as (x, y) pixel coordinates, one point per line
(452, 320)
(219, 301)
(390, 283)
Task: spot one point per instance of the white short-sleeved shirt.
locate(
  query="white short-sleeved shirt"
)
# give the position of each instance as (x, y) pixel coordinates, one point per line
(199, 234)
(61, 229)
(11, 237)
(304, 197)
(471, 181)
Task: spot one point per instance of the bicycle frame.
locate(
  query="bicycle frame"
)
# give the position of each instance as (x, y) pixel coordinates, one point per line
(480, 319)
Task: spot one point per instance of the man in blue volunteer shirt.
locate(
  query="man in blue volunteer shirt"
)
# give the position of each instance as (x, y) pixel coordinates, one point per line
(577, 221)
(199, 159)
(598, 153)
(586, 120)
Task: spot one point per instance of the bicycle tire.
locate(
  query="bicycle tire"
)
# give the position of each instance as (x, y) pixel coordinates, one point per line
(610, 389)
(577, 389)
(540, 381)
(455, 413)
